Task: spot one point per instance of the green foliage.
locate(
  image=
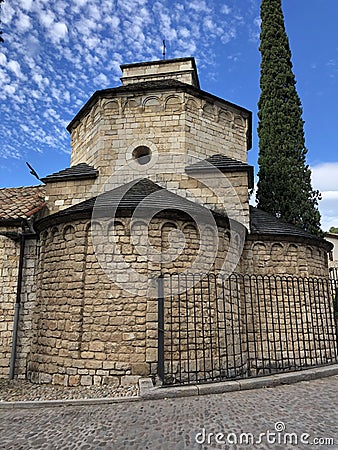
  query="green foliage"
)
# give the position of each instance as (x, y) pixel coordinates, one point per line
(333, 230)
(284, 187)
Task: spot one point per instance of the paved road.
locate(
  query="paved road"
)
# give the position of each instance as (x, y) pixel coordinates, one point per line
(307, 409)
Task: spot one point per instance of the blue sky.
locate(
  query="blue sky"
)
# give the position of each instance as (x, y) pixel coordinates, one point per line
(57, 53)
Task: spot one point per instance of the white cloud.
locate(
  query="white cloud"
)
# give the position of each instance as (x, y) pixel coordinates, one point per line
(3, 59)
(328, 207)
(58, 31)
(198, 5)
(94, 12)
(184, 32)
(25, 128)
(7, 13)
(209, 24)
(228, 35)
(325, 179)
(113, 21)
(225, 9)
(85, 26)
(14, 66)
(26, 4)
(102, 80)
(9, 89)
(331, 63)
(80, 2)
(46, 18)
(255, 29)
(325, 176)
(23, 23)
(33, 47)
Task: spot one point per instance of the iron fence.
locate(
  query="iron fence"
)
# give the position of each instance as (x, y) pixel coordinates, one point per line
(213, 328)
(333, 273)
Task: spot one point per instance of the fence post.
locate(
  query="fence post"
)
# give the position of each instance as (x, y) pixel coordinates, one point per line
(160, 328)
(335, 313)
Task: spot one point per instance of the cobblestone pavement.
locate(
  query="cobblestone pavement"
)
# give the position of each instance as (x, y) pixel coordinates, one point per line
(23, 390)
(307, 407)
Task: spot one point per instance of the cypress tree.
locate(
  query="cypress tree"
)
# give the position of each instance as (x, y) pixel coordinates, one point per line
(284, 187)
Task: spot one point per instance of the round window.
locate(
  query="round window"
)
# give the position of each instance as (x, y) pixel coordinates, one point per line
(142, 154)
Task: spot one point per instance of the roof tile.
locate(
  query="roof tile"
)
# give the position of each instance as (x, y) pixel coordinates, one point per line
(21, 202)
(223, 164)
(262, 222)
(143, 194)
(79, 172)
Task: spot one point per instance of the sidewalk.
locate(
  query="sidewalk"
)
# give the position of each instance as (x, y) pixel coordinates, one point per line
(305, 410)
(49, 395)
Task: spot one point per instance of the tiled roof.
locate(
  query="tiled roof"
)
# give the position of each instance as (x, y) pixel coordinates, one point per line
(154, 199)
(262, 222)
(21, 203)
(79, 172)
(224, 164)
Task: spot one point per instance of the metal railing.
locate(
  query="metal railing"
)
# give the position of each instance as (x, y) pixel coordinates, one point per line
(213, 328)
(333, 273)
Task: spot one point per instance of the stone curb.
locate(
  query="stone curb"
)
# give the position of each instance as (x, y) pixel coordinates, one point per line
(74, 402)
(147, 391)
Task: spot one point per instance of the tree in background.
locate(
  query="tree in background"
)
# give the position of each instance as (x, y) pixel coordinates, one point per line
(284, 188)
(333, 230)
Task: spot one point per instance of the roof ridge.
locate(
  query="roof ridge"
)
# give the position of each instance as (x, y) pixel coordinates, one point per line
(23, 187)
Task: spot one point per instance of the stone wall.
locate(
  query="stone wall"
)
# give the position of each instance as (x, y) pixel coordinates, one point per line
(172, 122)
(252, 325)
(290, 320)
(9, 268)
(203, 339)
(63, 194)
(289, 323)
(27, 307)
(9, 261)
(182, 69)
(93, 317)
(96, 317)
(223, 192)
(283, 256)
(177, 128)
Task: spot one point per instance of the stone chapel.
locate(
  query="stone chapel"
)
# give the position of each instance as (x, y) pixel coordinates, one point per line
(158, 182)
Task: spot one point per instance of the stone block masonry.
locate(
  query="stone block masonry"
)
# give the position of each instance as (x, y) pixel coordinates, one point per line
(27, 307)
(63, 194)
(265, 255)
(9, 261)
(87, 328)
(175, 122)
